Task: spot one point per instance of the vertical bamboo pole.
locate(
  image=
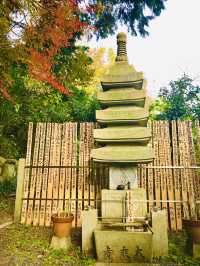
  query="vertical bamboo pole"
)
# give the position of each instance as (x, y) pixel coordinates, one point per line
(36, 211)
(63, 158)
(156, 162)
(150, 177)
(197, 127)
(51, 175)
(86, 164)
(81, 174)
(45, 175)
(176, 173)
(66, 161)
(188, 156)
(56, 175)
(33, 176)
(183, 172)
(170, 182)
(91, 177)
(27, 172)
(74, 174)
(162, 163)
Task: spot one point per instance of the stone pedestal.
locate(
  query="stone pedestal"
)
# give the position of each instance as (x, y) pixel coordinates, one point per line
(196, 250)
(122, 175)
(123, 246)
(61, 243)
(114, 204)
(89, 224)
(160, 234)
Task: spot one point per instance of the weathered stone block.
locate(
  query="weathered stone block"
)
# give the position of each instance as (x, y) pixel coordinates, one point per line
(61, 243)
(160, 234)
(121, 115)
(114, 203)
(122, 175)
(123, 134)
(123, 246)
(123, 153)
(125, 96)
(89, 224)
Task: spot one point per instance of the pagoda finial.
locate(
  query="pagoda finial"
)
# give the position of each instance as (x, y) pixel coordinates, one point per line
(121, 47)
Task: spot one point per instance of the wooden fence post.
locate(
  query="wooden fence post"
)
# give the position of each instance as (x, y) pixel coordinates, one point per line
(19, 190)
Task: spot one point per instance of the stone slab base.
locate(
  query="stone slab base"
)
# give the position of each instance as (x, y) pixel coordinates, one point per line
(123, 246)
(60, 243)
(113, 203)
(89, 224)
(196, 250)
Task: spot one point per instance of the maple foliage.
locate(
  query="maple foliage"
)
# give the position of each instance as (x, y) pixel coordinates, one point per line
(57, 26)
(50, 26)
(32, 32)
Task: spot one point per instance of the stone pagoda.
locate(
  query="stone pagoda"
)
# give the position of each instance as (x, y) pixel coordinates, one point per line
(124, 135)
(124, 232)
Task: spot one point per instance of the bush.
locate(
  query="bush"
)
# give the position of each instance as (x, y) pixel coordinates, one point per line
(7, 187)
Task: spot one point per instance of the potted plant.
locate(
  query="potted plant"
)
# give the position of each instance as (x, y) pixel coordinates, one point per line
(192, 225)
(62, 223)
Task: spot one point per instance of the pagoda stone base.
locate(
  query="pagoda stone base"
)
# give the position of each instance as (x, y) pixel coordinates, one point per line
(122, 246)
(113, 205)
(121, 175)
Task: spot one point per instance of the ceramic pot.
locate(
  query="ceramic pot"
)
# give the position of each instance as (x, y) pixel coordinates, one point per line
(62, 225)
(193, 229)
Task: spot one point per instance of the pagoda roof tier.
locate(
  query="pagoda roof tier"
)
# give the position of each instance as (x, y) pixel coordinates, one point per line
(123, 154)
(122, 96)
(118, 115)
(121, 74)
(123, 134)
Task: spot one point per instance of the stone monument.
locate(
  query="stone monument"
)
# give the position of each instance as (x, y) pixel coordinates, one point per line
(124, 234)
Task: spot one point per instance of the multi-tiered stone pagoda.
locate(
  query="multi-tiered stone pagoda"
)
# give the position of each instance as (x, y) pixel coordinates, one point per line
(124, 228)
(123, 134)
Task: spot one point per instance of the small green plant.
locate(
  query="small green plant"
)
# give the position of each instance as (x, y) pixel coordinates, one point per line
(7, 187)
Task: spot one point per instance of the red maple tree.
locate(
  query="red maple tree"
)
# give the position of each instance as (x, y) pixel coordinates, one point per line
(58, 25)
(52, 26)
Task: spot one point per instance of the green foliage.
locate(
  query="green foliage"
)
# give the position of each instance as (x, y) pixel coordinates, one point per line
(180, 251)
(37, 102)
(181, 100)
(7, 187)
(135, 14)
(73, 66)
(81, 106)
(30, 246)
